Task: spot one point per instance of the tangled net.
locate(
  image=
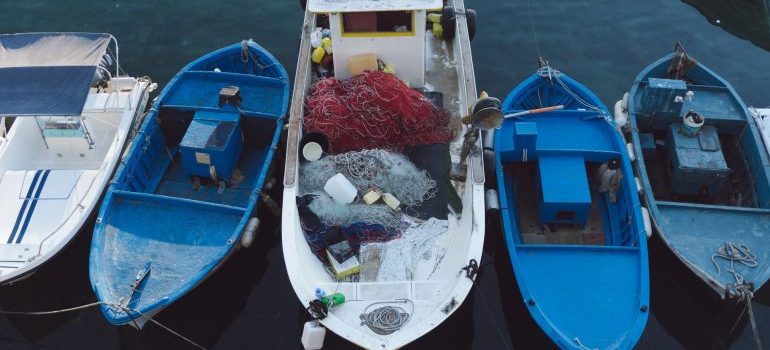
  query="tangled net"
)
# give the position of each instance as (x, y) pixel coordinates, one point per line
(372, 169)
(335, 214)
(373, 110)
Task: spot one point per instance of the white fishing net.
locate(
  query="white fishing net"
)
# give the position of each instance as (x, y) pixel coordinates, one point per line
(416, 255)
(337, 214)
(367, 170)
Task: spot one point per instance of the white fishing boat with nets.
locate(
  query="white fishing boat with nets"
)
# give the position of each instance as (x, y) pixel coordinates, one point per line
(383, 206)
(72, 116)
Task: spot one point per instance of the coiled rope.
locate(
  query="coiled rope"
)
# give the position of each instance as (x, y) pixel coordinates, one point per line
(740, 289)
(387, 319)
(733, 253)
(99, 303)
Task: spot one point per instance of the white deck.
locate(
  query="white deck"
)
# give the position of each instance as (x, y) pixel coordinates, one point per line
(47, 193)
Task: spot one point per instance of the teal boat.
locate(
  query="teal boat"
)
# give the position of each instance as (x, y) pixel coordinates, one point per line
(704, 170)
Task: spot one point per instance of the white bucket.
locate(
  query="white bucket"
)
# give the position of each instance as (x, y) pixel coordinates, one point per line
(691, 123)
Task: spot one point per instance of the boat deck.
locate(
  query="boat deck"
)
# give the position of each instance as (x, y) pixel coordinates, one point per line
(175, 183)
(533, 232)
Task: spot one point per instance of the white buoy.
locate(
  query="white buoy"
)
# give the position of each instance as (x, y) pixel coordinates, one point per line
(647, 222)
(340, 189)
(249, 232)
(639, 187)
(313, 335)
(631, 153)
(372, 196)
(391, 200)
(620, 116)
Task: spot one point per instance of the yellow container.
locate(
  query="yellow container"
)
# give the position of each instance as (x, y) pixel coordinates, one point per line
(434, 17)
(438, 30)
(327, 44)
(318, 54)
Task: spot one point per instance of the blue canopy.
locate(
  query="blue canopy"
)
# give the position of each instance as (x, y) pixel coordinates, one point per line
(48, 74)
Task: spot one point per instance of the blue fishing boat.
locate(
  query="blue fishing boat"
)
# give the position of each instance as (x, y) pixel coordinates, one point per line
(185, 195)
(704, 170)
(571, 214)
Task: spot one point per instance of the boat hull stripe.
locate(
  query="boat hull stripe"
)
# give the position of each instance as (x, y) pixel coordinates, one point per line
(33, 205)
(19, 216)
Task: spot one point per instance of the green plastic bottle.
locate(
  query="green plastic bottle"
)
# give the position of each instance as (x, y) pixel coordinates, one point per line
(336, 299)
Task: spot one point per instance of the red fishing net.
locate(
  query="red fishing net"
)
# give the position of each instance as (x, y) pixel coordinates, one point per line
(373, 110)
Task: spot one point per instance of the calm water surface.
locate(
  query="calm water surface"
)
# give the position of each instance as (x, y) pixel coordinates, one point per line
(249, 302)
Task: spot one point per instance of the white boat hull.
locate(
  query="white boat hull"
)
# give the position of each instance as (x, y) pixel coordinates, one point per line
(51, 187)
(435, 296)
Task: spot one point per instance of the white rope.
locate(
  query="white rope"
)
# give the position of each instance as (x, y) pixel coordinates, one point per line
(387, 319)
(98, 303)
(735, 252)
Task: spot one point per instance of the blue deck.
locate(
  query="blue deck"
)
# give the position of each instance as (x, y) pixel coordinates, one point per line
(594, 294)
(695, 227)
(184, 223)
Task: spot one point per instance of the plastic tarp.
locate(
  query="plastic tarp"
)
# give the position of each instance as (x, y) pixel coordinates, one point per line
(48, 74)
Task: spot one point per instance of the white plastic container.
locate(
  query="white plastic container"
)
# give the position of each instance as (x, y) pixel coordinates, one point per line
(313, 335)
(312, 151)
(340, 189)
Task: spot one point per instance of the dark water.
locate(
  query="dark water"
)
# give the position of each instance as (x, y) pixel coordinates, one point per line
(249, 302)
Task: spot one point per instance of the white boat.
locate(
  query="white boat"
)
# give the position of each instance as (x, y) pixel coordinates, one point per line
(424, 61)
(73, 116)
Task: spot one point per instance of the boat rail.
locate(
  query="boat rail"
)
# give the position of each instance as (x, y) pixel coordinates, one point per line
(297, 102)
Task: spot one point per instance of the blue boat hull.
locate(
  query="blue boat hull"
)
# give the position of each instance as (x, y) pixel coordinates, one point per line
(586, 285)
(164, 226)
(694, 228)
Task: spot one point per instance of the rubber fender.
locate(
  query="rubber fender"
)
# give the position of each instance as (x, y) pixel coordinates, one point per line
(449, 22)
(620, 116)
(470, 16)
(250, 232)
(647, 222)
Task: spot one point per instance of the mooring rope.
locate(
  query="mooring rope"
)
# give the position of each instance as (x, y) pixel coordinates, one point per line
(733, 252)
(741, 289)
(98, 303)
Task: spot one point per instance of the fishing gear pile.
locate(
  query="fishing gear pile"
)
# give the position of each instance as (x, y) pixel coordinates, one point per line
(368, 170)
(374, 110)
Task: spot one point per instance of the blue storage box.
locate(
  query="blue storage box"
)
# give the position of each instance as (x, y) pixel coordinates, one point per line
(213, 139)
(566, 196)
(696, 163)
(660, 97)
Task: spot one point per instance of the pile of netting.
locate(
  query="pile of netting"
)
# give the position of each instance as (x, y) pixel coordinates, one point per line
(373, 110)
(322, 218)
(368, 170)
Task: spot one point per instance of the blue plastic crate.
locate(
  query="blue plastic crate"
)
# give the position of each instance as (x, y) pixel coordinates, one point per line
(664, 97)
(212, 139)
